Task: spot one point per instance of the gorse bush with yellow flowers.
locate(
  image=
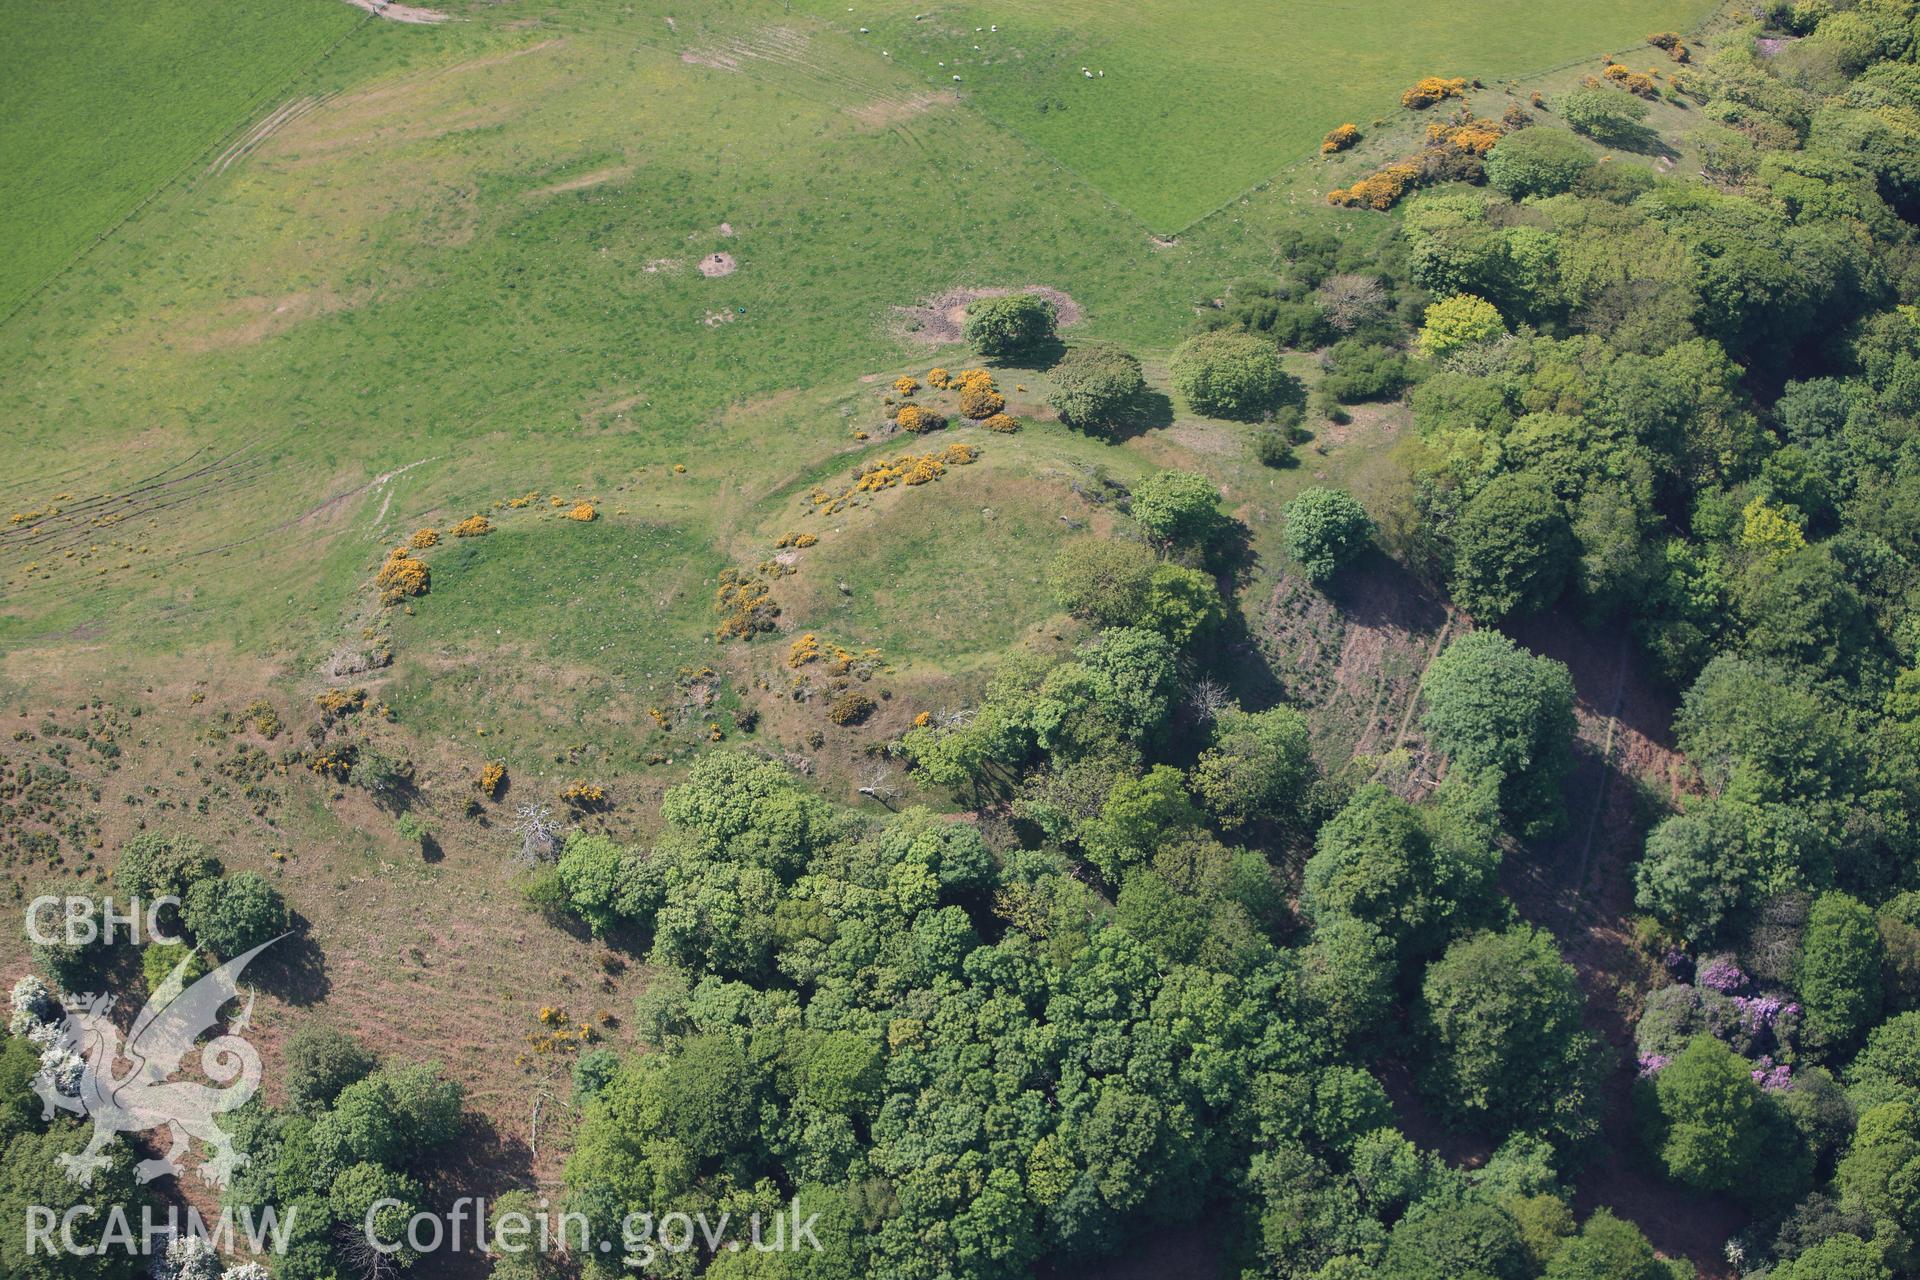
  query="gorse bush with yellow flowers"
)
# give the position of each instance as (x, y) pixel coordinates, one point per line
(337, 704)
(1339, 138)
(745, 602)
(1671, 43)
(979, 397)
(583, 512)
(401, 576)
(473, 527)
(1453, 153)
(1004, 423)
(918, 419)
(851, 708)
(584, 795)
(492, 776)
(1633, 82)
(423, 538)
(1431, 89)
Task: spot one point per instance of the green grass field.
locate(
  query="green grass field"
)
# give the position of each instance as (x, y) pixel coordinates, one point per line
(100, 103)
(1201, 99)
(464, 268)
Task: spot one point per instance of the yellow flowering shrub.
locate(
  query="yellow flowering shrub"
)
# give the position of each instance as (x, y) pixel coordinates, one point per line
(851, 708)
(423, 538)
(582, 512)
(335, 704)
(335, 763)
(959, 454)
(1632, 81)
(922, 469)
(493, 776)
(939, 379)
(922, 720)
(918, 419)
(745, 604)
(401, 576)
(905, 386)
(1339, 139)
(1431, 89)
(1474, 136)
(1670, 42)
(1004, 423)
(968, 376)
(1380, 190)
(473, 527)
(979, 400)
(1453, 152)
(525, 500)
(585, 795)
(804, 650)
(265, 720)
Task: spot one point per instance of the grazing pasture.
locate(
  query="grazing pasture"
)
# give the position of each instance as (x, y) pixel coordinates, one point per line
(101, 103)
(1193, 101)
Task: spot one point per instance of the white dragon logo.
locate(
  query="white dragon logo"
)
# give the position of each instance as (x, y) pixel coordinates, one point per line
(145, 1096)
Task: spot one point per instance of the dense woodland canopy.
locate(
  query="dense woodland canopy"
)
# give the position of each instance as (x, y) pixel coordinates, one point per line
(1145, 983)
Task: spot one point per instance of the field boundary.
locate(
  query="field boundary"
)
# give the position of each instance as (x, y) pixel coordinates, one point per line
(226, 139)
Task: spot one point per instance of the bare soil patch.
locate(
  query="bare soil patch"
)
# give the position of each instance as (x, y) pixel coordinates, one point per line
(715, 59)
(401, 12)
(718, 264)
(597, 178)
(939, 320)
(246, 321)
(884, 113)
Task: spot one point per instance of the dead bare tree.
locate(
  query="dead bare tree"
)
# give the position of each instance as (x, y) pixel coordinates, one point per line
(1208, 698)
(877, 781)
(539, 834)
(363, 1257)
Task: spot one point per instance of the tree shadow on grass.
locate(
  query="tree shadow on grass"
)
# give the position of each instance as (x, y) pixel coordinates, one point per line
(1638, 139)
(1376, 591)
(295, 968)
(1150, 410)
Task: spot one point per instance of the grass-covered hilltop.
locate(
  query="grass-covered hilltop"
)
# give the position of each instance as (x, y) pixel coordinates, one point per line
(783, 640)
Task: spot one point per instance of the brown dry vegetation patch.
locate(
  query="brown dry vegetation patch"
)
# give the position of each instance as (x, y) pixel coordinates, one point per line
(939, 320)
(1214, 439)
(1354, 657)
(885, 112)
(599, 177)
(242, 322)
(416, 107)
(423, 958)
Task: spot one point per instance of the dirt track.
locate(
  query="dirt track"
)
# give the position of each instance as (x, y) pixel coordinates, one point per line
(1580, 886)
(401, 12)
